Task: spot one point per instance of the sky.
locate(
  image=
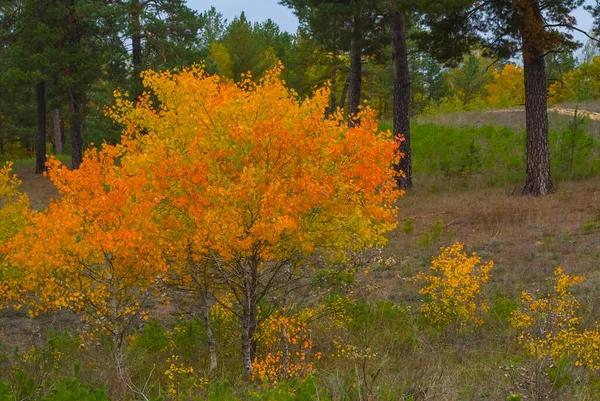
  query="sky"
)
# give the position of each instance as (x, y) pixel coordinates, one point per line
(260, 10)
(256, 11)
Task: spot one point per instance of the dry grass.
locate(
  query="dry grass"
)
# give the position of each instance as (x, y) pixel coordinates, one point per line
(512, 118)
(526, 237)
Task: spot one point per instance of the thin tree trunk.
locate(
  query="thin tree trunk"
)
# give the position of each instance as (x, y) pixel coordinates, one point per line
(212, 345)
(248, 333)
(56, 133)
(345, 92)
(201, 283)
(333, 100)
(249, 318)
(76, 140)
(136, 47)
(75, 119)
(355, 72)
(537, 180)
(285, 358)
(401, 117)
(40, 154)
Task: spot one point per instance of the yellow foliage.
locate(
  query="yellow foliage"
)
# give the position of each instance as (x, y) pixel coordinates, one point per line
(248, 165)
(547, 326)
(352, 353)
(452, 293)
(579, 84)
(93, 250)
(288, 344)
(252, 181)
(14, 211)
(219, 54)
(181, 378)
(507, 88)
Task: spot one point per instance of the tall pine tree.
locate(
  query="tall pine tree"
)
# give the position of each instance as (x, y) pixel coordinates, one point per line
(30, 37)
(503, 29)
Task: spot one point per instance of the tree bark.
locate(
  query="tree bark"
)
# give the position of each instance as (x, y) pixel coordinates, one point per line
(249, 318)
(212, 345)
(537, 180)
(76, 140)
(56, 133)
(345, 92)
(136, 47)
(355, 81)
(248, 332)
(75, 118)
(401, 118)
(40, 154)
(332, 98)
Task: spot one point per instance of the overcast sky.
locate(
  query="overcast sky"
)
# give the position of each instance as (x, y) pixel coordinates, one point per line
(260, 10)
(256, 11)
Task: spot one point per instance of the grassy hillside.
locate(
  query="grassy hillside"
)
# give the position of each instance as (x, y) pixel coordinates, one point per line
(513, 118)
(450, 157)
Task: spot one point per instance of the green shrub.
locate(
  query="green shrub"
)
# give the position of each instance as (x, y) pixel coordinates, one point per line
(408, 227)
(573, 150)
(432, 237)
(71, 389)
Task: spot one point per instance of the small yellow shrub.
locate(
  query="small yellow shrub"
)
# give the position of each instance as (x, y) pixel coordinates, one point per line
(547, 327)
(453, 287)
(287, 339)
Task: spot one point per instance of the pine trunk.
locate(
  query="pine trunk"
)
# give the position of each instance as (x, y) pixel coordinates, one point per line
(56, 132)
(345, 93)
(401, 117)
(76, 139)
(40, 153)
(332, 99)
(537, 180)
(136, 47)
(75, 119)
(355, 81)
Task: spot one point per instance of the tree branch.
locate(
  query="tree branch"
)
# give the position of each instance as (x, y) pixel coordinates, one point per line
(569, 26)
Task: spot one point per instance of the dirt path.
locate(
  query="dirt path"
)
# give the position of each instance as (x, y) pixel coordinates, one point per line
(558, 110)
(38, 187)
(570, 112)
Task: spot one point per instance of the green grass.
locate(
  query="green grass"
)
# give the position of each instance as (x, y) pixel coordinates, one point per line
(27, 165)
(492, 156)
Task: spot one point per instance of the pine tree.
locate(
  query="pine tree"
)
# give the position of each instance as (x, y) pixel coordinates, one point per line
(163, 34)
(84, 50)
(504, 29)
(30, 55)
(401, 117)
(353, 26)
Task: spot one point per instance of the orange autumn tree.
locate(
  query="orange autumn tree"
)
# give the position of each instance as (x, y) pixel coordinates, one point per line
(93, 251)
(254, 182)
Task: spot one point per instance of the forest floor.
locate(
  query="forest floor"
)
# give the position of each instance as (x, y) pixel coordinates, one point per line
(526, 237)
